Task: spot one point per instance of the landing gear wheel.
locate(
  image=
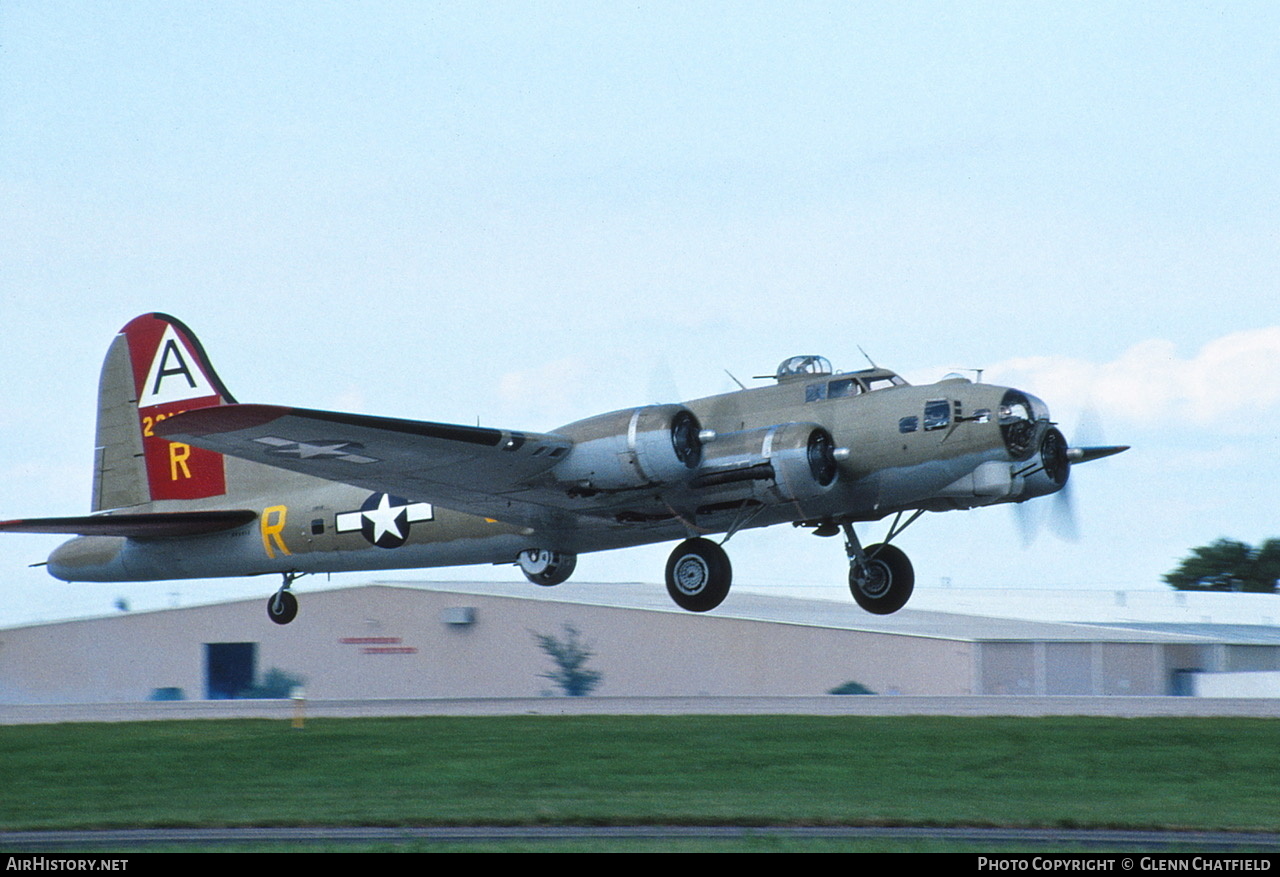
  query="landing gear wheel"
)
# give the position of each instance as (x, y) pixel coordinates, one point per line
(546, 568)
(282, 607)
(884, 583)
(698, 575)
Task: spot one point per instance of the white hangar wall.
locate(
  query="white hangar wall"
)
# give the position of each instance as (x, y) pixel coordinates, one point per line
(377, 641)
(381, 641)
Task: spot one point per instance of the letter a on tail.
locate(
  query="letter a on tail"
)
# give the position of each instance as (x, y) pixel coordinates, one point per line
(171, 374)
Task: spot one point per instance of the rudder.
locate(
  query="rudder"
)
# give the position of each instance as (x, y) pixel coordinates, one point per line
(155, 368)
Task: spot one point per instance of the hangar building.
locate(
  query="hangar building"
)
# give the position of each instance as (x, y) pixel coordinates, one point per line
(478, 639)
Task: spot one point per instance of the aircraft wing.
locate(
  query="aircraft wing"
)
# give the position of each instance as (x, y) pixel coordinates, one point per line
(148, 525)
(467, 468)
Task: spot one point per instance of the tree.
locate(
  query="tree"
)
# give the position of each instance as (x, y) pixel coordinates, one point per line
(571, 655)
(851, 687)
(1229, 565)
(275, 685)
(1267, 562)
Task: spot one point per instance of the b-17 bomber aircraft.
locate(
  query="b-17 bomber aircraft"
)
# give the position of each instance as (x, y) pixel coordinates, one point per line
(189, 484)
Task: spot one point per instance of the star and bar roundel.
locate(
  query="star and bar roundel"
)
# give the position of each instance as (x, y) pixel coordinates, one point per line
(384, 520)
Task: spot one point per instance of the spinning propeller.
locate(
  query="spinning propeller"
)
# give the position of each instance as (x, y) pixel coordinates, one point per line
(1056, 458)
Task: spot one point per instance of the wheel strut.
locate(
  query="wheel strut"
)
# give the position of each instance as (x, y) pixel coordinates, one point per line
(282, 606)
(852, 547)
(880, 577)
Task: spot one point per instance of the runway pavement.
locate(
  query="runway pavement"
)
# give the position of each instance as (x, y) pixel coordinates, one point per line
(825, 705)
(992, 839)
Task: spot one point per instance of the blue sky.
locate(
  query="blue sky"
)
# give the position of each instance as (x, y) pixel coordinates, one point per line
(527, 213)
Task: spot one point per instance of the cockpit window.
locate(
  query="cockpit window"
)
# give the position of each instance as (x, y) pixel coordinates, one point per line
(885, 383)
(837, 389)
(843, 387)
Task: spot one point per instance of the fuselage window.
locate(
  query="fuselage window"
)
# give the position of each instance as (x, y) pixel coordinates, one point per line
(815, 392)
(909, 424)
(937, 414)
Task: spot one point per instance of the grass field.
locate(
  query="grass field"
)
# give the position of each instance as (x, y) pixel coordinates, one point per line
(756, 770)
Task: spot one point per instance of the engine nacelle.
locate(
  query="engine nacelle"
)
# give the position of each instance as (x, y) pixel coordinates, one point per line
(782, 463)
(1044, 470)
(638, 447)
(1054, 467)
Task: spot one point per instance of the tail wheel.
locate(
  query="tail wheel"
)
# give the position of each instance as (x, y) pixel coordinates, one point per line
(698, 575)
(282, 607)
(883, 584)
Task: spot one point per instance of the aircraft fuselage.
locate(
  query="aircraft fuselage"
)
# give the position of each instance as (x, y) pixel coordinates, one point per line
(190, 484)
(323, 526)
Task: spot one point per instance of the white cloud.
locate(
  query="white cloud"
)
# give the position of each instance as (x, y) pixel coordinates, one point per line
(1232, 381)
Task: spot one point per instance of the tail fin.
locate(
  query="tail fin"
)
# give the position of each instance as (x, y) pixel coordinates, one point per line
(154, 369)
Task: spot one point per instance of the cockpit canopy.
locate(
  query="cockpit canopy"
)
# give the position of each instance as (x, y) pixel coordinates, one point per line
(824, 383)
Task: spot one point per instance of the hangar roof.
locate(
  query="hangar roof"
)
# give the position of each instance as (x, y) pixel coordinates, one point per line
(842, 615)
(830, 614)
(1233, 634)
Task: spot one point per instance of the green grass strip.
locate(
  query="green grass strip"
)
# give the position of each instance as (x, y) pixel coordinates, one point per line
(760, 770)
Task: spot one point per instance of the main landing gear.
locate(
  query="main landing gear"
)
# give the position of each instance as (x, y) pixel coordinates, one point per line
(282, 606)
(880, 576)
(698, 575)
(547, 568)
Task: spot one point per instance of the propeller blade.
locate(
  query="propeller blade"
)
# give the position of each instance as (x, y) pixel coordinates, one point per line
(1090, 440)
(1059, 518)
(662, 384)
(1024, 515)
(1062, 517)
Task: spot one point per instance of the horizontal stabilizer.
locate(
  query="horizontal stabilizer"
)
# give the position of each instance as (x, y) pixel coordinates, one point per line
(135, 526)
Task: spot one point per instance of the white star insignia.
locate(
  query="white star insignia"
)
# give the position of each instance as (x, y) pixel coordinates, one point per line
(332, 450)
(384, 518)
